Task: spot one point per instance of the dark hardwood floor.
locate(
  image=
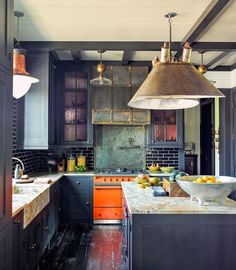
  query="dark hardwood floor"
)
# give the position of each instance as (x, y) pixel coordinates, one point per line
(85, 248)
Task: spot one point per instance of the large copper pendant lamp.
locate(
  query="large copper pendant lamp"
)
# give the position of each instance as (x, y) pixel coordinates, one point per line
(22, 80)
(171, 84)
(100, 80)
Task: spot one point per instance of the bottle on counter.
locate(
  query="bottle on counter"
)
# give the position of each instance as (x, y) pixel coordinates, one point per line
(81, 160)
(71, 163)
(17, 173)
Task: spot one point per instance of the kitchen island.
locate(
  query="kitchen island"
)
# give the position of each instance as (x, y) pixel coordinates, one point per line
(176, 233)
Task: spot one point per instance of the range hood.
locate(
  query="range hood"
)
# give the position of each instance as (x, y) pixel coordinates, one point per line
(110, 103)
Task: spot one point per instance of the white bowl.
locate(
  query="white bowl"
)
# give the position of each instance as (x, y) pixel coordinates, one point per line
(204, 192)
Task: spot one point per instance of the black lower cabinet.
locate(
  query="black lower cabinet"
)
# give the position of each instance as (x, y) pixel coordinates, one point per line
(30, 243)
(77, 199)
(5, 247)
(17, 241)
(183, 241)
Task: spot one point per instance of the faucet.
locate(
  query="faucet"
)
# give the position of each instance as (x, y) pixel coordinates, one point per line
(22, 164)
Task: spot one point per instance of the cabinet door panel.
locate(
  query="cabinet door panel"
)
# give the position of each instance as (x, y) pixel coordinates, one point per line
(6, 40)
(5, 248)
(5, 143)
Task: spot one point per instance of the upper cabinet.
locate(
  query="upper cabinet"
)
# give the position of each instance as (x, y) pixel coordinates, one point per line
(166, 128)
(110, 102)
(6, 38)
(36, 118)
(74, 108)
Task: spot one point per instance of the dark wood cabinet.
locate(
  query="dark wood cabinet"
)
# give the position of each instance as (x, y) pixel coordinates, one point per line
(74, 108)
(6, 47)
(55, 204)
(77, 199)
(110, 103)
(191, 164)
(36, 117)
(17, 241)
(166, 128)
(6, 37)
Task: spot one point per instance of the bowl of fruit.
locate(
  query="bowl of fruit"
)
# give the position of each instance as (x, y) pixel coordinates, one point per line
(146, 181)
(207, 188)
(167, 169)
(154, 167)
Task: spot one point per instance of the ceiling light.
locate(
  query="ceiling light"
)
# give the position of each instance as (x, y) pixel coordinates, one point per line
(100, 80)
(172, 84)
(202, 68)
(22, 80)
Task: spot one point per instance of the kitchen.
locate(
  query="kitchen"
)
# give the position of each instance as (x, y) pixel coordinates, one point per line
(65, 118)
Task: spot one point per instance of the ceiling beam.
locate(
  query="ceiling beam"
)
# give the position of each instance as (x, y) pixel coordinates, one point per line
(95, 45)
(118, 46)
(211, 13)
(215, 62)
(76, 55)
(126, 57)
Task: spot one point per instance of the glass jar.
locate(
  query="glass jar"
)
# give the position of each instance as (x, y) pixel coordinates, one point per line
(71, 164)
(81, 160)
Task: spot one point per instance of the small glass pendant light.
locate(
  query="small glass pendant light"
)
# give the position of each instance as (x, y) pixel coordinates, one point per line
(101, 80)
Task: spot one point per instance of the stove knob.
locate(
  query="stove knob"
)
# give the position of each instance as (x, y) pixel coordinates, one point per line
(105, 180)
(111, 179)
(117, 180)
(122, 179)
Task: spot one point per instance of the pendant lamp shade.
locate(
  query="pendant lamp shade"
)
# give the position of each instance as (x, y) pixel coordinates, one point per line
(21, 78)
(173, 86)
(101, 80)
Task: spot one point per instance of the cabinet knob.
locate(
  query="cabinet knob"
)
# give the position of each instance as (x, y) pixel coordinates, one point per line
(87, 203)
(45, 228)
(78, 183)
(59, 209)
(16, 221)
(32, 246)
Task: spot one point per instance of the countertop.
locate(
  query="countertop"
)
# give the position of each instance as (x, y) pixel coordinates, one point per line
(141, 201)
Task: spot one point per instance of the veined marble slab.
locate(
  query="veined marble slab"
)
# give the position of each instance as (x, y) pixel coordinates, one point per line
(142, 201)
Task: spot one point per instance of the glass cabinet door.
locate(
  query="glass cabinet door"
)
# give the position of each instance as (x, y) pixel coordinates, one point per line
(75, 107)
(166, 128)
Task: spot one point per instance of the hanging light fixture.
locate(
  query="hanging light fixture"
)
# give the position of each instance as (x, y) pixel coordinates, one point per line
(22, 80)
(100, 80)
(171, 84)
(202, 68)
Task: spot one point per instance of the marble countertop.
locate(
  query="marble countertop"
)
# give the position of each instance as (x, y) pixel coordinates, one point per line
(142, 201)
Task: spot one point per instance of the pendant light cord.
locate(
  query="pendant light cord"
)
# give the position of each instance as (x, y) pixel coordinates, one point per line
(18, 15)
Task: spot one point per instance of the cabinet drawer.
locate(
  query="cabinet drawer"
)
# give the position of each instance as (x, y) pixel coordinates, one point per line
(107, 213)
(83, 182)
(105, 196)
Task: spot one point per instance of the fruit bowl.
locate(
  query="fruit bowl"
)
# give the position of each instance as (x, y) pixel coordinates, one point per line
(208, 192)
(167, 169)
(153, 168)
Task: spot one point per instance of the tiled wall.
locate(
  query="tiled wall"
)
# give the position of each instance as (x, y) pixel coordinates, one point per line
(163, 156)
(36, 160)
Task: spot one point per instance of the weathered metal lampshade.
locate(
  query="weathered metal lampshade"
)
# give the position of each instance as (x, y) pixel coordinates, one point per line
(22, 80)
(173, 86)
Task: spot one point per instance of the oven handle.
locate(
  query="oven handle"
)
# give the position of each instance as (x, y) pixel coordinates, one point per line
(108, 187)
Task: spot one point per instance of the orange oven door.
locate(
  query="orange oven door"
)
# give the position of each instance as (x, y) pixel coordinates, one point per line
(107, 203)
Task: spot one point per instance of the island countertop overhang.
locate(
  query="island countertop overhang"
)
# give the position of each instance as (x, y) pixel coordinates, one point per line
(142, 201)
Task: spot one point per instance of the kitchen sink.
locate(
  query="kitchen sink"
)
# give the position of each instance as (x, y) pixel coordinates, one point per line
(31, 198)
